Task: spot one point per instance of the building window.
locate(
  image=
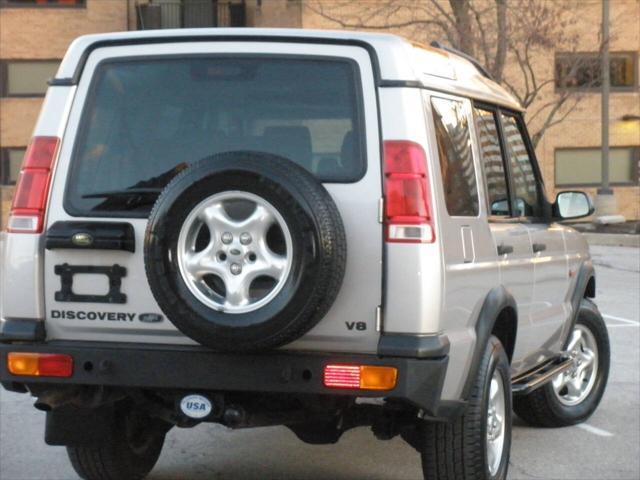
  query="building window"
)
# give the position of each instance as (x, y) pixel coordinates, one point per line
(191, 14)
(582, 167)
(582, 71)
(26, 78)
(10, 163)
(42, 3)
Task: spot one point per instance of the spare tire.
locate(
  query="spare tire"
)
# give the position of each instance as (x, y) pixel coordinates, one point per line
(245, 251)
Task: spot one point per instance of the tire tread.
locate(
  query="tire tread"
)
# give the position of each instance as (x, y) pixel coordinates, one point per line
(332, 248)
(452, 450)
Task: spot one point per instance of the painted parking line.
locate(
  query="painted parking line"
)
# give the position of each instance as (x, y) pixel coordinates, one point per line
(594, 430)
(624, 322)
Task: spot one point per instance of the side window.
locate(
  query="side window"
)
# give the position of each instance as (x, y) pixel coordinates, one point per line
(456, 159)
(527, 191)
(493, 166)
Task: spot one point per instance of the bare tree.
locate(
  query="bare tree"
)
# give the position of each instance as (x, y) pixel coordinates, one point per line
(499, 33)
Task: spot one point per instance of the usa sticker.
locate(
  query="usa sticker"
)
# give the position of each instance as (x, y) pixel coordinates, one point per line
(195, 406)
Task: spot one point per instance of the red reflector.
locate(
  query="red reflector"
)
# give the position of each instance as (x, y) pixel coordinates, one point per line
(407, 212)
(342, 376)
(40, 364)
(56, 365)
(32, 189)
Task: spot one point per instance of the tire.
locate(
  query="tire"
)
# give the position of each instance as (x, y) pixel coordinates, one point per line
(458, 450)
(543, 408)
(304, 213)
(128, 453)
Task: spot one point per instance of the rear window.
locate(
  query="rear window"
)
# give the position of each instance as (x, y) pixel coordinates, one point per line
(146, 120)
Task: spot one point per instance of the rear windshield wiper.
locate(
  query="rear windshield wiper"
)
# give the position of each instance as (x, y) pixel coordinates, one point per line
(128, 192)
(127, 199)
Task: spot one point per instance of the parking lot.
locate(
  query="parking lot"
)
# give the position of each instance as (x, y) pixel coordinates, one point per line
(606, 447)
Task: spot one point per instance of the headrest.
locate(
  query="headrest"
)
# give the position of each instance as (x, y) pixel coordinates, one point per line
(293, 143)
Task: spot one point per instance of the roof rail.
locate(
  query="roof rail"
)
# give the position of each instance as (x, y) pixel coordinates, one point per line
(475, 62)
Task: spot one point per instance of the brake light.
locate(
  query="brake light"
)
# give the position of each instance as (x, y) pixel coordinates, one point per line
(407, 210)
(40, 364)
(360, 377)
(32, 189)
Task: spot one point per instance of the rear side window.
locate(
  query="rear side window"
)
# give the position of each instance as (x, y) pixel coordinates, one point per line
(456, 158)
(146, 120)
(493, 166)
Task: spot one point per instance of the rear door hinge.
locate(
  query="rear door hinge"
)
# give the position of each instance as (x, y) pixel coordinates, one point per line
(381, 210)
(378, 318)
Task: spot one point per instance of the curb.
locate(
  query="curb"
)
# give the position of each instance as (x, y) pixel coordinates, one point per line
(613, 239)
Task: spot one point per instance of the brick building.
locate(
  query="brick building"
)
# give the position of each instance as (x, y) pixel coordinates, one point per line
(34, 35)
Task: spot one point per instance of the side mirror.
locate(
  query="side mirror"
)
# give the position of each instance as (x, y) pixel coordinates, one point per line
(500, 207)
(571, 205)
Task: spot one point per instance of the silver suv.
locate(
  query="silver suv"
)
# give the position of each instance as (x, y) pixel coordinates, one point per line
(320, 230)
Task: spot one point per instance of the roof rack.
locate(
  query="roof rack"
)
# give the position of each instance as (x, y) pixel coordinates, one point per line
(475, 62)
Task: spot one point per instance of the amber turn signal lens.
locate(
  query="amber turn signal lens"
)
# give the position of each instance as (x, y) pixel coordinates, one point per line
(378, 378)
(40, 364)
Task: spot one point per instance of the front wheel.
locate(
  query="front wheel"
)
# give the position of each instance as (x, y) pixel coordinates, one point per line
(572, 396)
(475, 446)
(129, 453)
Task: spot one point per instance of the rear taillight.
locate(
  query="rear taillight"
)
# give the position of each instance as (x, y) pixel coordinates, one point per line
(407, 211)
(32, 189)
(40, 364)
(360, 377)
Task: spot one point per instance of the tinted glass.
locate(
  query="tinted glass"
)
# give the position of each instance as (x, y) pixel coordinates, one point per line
(144, 121)
(492, 162)
(584, 70)
(42, 3)
(527, 191)
(29, 78)
(456, 158)
(11, 164)
(583, 166)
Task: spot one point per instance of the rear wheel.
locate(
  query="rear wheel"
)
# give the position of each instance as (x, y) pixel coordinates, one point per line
(128, 453)
(475, 446)
(571, 397)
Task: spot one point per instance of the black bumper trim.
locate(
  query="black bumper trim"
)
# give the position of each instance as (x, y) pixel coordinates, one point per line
(196, 368)
(413, 346)
(22, 330)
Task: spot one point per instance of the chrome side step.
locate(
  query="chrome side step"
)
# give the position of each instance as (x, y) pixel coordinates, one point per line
(528, 382)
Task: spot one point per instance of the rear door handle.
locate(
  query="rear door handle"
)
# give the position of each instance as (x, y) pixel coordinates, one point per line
(504, 249)
(539, 247)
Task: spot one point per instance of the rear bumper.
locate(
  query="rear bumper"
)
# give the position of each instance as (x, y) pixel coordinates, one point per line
(196, 368)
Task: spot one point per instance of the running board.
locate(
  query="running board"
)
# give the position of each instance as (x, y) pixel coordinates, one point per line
(529, 381)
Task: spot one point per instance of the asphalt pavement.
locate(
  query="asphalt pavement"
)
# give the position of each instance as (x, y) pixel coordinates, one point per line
(606, 447)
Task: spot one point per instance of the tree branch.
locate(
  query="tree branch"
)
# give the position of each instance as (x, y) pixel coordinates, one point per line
(519, 32)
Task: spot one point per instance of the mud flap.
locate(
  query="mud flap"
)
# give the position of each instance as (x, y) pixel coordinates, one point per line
(79, 427)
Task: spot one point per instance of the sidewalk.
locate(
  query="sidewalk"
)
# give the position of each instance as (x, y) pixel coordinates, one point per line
(625, 234)
(630, 228)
